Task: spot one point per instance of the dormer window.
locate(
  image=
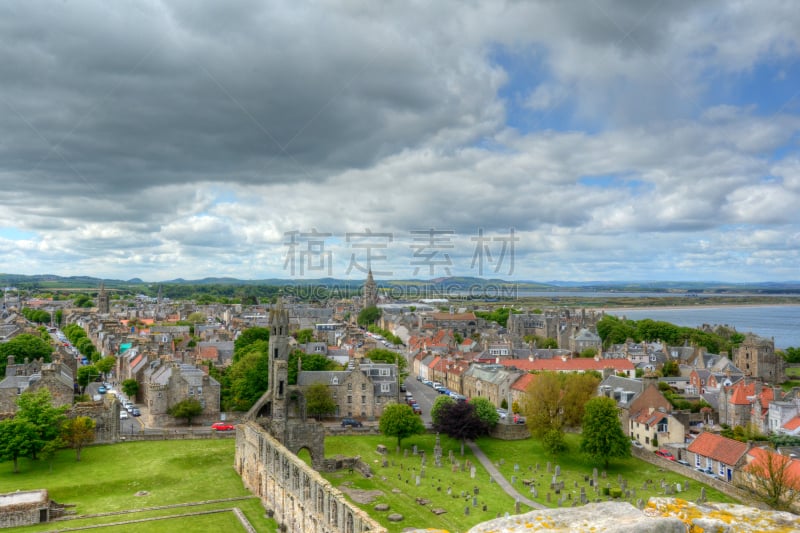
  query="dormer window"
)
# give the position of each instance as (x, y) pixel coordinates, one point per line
(334, 380)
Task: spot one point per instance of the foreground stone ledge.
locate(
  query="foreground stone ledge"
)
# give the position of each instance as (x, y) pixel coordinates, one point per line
(660, 515)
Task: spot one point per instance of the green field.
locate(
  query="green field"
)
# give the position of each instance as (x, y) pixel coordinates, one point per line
(172, 473)
(504, 454)
(182, 479)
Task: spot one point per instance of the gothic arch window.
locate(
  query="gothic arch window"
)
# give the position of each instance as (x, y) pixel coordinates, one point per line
(320, 501)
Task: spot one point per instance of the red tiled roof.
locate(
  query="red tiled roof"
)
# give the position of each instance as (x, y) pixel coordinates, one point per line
(717, 447)
(741, 391)
(522, 383)
(453, 316)
(792, 424)
(760, 465)
(208, 353)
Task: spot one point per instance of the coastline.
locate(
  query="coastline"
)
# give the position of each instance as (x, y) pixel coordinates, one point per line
(698, 306)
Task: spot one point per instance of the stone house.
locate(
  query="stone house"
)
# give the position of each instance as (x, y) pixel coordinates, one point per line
(784, 413)
(26, 508)
(34, 376)
(584, 339)
(623, 391)
(723, 456)
(489, 381)
(464, 324)
(166, 383)
(652, 422)
(362, 391)
(519, 390)
(746, 402)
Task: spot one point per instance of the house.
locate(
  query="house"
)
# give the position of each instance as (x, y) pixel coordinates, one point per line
(763, 463)
(519, 390)
(568, 364)
(652, 422)
(717, 454)
(33, 376)
(489, 381)
(362, 390)
(784, 414)
(757, 358)
(166, 383)
(464, 324)
(746, 402)
(584, 339)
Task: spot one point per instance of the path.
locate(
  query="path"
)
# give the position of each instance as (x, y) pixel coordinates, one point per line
(511, 491)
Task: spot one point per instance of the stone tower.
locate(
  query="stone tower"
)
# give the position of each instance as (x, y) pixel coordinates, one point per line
(281, 409)
(370, 294)
(756, 357)
(102, 300)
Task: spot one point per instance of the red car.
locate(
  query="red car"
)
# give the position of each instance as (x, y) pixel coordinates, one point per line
(666, 455)
(222, 426)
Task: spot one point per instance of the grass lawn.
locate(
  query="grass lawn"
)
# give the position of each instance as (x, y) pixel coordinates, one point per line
(397, 483)
(388, 480)
(171, 472)
(574, 466)
(793, 372)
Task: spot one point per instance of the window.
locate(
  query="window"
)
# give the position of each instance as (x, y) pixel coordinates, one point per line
(363, 399)
(662, 426)
(335, 381)
(385, 387)
(647, 440)
(721, 469)
(363, 386)
(709, 462)
(384, 372)
(349, 387)
(349, 399)
(697, 460)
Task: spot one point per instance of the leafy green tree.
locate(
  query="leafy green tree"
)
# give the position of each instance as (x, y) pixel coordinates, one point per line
(460, 420)
(671, 368)
(439, 406)
(398, 420)
(37, 408)
(130, 387)
(486, 411)
(106, 364)
(543, 404)
(577, 389)
(83, 300)
(319, 400)
(22, 347)
(196, 318)
(602, 436)
(77, 433)
(48, 452)
(554, 442)
(246, 338)
(249, 376)
(381, 355)
(304, 336)
(17, 439)
(87, 374)
(59, 318)
(792, 354)
(309, 361)
(588, 353)
(188, 409)
(368, 315)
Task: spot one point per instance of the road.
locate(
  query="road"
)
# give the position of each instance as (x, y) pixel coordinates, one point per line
(424, 395)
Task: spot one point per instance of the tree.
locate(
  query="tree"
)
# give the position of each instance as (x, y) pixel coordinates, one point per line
(398, 420)
(543, 407)
(460, 420)
(83, 300)
(77, 433)
(588, 353)
(25, 346)
(87, 374)
(130, 387)
(249, 376)
(304, 336)
(671, 368)
(791, 354)
(37, 408)
(319, 400)
(188, 409)
(246, 338)
(106, 364)
(554, 442)
(439, 406)
(774, 479)
(308, 361)
(602, 436)
(486, 411)
(368, 315)
(196, 318)
(17, 438)
(577, 389)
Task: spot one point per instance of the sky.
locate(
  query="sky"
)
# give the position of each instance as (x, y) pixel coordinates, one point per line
(540, 140)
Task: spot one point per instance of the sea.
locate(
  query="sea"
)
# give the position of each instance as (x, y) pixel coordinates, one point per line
(780, 322)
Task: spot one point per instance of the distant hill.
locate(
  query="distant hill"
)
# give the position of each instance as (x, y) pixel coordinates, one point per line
(52, 281)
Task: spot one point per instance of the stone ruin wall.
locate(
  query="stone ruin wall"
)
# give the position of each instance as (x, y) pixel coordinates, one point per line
(294, 495)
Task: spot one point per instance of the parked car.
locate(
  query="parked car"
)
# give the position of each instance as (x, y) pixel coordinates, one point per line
(101, 389)
(636, 444)
(682, 462)
(351, 422)
(222, 426)
(706, 471)
(136, 412)
(403, 387)
(503, 413)
(417, 409)
(427, 382)
(123, 415)
(665, 454)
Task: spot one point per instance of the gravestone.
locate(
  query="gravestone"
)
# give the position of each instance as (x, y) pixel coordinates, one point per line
(472, 472)
(466, 510)
(450, 456)
(516, 467)
(513, 479)
(422, 472)
(474, 501)
(619, 479)
(502, 462)
(548, 497)
(516, 507)
(686, 485)
(678, 488)
(385, 463)
(534, 491)
(405, 452)
(449, 491)
(603, 473)
(484, 508)
(414, 450)
(437, 452)
(583, 495)
(548, 467)
(537, 467)
(558, 470)
(702, 495)
(476, 490)
(633, 493)
(639, 504)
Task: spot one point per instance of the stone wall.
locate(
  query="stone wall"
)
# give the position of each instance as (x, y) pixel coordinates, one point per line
(295, 495)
